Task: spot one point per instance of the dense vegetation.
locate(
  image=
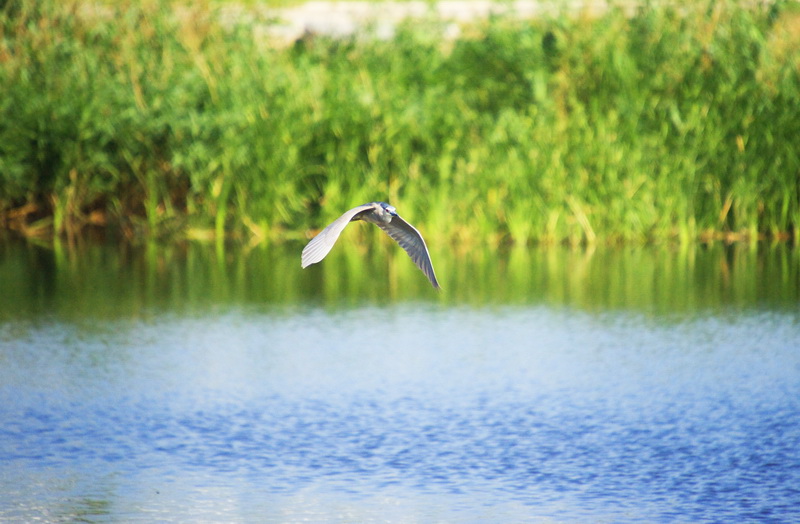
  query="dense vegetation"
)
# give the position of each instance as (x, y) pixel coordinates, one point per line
(674, 122)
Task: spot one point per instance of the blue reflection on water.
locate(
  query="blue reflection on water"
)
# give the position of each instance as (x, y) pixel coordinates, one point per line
(396, 414)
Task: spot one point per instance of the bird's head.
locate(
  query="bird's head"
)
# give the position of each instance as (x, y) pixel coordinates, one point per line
(389, 209)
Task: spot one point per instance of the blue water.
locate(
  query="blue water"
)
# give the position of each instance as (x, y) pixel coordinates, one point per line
(408, 412)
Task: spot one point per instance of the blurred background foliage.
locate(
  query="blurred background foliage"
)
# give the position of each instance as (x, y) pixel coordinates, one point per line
(676, 121)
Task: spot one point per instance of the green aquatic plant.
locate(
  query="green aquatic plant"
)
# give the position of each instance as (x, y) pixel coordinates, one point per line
(151, 119)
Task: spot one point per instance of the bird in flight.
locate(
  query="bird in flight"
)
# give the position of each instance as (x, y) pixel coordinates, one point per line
(385, 217)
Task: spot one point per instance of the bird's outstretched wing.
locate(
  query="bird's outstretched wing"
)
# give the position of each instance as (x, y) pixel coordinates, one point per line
(409, 239)
(321, 244)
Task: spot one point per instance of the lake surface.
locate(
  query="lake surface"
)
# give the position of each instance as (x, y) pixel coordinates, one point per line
(219, 384)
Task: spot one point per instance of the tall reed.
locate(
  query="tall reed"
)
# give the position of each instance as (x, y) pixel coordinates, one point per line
(673, 122)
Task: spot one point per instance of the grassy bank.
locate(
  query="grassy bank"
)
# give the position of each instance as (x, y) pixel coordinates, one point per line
(671, 123)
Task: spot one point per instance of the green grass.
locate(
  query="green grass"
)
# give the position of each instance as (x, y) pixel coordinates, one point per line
(673, 123)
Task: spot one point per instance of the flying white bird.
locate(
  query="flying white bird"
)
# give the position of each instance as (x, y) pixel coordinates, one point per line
(385, 217)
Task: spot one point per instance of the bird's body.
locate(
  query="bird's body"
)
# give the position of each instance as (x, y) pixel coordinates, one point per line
(385, 217)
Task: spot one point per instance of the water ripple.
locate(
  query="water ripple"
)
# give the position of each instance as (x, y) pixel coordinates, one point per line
(568, 418)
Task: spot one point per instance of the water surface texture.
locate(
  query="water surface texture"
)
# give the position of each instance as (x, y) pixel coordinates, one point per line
(218, 386)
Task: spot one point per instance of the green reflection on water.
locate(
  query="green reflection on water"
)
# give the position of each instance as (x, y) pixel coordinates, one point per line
(120, 279)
